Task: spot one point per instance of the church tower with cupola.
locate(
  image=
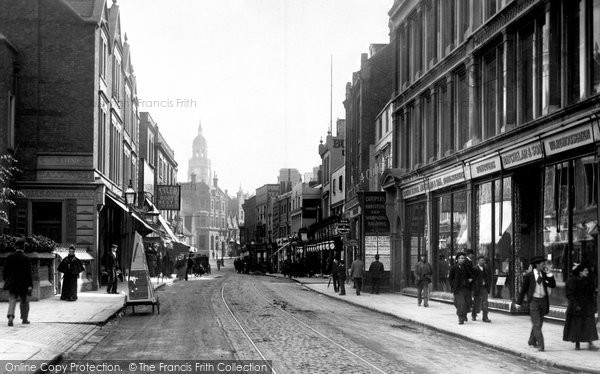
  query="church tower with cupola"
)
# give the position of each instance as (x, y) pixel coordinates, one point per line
(199, 164)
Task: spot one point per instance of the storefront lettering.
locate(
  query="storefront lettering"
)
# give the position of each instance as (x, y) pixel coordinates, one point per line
(521, 155)
(413, 191)
(447, 179)
(569, 140)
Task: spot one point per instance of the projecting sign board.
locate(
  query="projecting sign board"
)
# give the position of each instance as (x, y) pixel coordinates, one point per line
(168, 197)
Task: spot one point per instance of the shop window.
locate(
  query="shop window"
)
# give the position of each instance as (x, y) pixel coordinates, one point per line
(570, 219)
(451, 234)
(494, 232)
(417, 232)
(46, 219)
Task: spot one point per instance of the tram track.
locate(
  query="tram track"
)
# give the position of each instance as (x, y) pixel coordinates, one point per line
(252, 326)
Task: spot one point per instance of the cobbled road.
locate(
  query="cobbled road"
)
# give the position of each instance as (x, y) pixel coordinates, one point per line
(331, 337)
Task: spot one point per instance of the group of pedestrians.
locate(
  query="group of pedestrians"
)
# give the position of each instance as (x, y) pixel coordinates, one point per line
(357, 274)
(470, 285)
(581, 292)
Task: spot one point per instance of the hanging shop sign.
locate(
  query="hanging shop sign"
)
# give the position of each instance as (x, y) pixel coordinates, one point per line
(484, 167)
(168, 197)
(570, 139)
(521, 155)
(447, 178)
(414, 190)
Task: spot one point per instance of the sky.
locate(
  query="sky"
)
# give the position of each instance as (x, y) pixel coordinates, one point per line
(255, 73)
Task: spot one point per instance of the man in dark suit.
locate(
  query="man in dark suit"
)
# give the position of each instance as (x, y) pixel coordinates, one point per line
(334, 275)
(18, 282)
(112, 267)
(460, 282)
(536, 282)
(376, 271)
(481, 289)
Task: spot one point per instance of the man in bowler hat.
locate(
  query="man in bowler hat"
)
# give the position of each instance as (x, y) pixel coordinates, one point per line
(536, 282)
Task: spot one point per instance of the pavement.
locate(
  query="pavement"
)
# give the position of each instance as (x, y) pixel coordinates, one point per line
(59, 326)
(507, 332)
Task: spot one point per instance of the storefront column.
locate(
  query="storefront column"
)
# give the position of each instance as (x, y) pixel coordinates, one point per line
(472, 71)
(550, 65)
(398, 247)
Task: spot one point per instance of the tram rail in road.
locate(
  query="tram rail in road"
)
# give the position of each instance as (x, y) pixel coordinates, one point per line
(299, 322)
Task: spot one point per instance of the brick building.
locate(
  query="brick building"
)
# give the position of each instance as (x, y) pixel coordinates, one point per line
(366, 96)
(76, 124)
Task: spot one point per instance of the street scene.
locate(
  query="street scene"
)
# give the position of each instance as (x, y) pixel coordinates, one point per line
(297, 186)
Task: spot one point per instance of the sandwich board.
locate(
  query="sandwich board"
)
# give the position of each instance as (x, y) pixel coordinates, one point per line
(139, 286)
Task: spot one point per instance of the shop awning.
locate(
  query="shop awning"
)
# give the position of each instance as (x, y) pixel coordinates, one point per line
(282, 247)
(167, 229)
(133, 213)
(79, 253)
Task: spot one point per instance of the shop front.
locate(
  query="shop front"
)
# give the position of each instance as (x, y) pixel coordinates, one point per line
(538, 197)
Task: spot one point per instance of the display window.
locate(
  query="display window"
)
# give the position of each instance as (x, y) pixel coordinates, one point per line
(494, 232)
(570, 220)
(416, 214)
(451, 234)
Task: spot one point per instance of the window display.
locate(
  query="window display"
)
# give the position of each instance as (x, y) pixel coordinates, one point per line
(570, 219)
(494, 232)
(451, 232)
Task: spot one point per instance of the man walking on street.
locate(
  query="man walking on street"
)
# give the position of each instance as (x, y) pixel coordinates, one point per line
(18, 282)
(536, 282)
(334, 275)
(470, 265)
(357, 272)
(423, 274)
(460, 283)
(342, 277)
(376, 272)
(481, 289)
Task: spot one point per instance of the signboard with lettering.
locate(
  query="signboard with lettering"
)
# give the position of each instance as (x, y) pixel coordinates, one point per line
(567, 140)
(414, 190)
(374, 216)
(168, 197)
(448, 178)
(485, 167)
(379, 244)
(522, 155)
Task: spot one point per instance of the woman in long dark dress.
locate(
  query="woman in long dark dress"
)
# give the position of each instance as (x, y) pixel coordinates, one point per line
(580, 325)
(70, 266)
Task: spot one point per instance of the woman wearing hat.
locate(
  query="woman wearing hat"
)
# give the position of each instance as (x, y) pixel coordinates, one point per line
(535, 284)
(580, 325)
